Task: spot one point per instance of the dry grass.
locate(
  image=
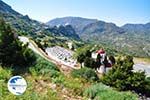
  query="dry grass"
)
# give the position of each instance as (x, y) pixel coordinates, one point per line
(141, 60)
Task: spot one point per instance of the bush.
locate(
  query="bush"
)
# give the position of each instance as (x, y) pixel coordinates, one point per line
(147, 87)
(75, 84)
(102, 92)
(89, 62)
(85, 73)
(5, 73)
(123, 78)
(46, 69)
(32, 93)
(12, 52)
(82, 53)
(59, 79)
(42, 64)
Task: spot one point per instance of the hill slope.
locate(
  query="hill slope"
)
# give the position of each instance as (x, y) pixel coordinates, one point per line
(78, 23)
(17, 20)
(27, 25)
(138, 28)
(131, 38)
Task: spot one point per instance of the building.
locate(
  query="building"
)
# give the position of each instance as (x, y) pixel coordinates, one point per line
(105, 63)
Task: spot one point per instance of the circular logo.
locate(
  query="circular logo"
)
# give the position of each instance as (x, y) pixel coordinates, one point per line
(17, 85)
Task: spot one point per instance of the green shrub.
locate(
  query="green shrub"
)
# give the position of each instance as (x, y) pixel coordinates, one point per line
(92, 91)
(89, 62)
(123, 78)
(5, 73)
(148, 79)
(102, 92)
(82, 53)
(75, 84)
(12, 51)
(44, 67)
(59, 79)
(148, 86)
(85, 73)
(30, 93)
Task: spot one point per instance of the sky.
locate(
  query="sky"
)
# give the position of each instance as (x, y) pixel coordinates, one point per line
(119, 12)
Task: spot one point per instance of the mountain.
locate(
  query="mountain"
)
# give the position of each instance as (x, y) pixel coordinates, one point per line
(101, 27)
(77, 23)
(31, 27)
(67, 31)
(4, 8)
(18, 21)
(138, 28)
(134, 39)
(131, 38)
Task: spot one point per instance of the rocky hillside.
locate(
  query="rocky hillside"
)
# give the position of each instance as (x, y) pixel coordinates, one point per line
(131, 38)
(78, 23)
(31, 27)
(138, 28)
(17, 20)
(67, 31)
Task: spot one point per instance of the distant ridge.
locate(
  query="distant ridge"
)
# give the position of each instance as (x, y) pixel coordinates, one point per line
(78, 23)
(25, 24)
(131, 38)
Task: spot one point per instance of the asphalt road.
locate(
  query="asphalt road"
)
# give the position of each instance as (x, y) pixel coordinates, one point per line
(142, 67)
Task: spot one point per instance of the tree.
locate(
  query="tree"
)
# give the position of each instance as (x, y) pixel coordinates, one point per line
(112, 59)
(89, 62)
(98, 61)
(105, 62)
(122, 76)
(12, 51)
(80, 59)
(86, 73)
(82, 53)
(88, 53)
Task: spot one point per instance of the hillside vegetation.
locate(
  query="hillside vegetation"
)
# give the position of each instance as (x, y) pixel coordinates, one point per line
(47, 81)
(44, 79)
(131, 39)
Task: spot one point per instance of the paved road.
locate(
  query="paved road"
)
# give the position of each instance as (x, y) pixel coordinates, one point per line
(143, 67)
(31, 45)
